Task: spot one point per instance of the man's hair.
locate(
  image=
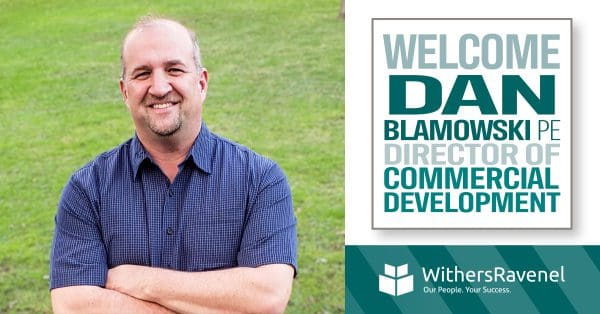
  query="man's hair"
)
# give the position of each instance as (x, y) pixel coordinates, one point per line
(151, 20)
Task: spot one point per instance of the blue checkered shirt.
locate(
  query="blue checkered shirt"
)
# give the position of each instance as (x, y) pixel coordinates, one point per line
(227, 207)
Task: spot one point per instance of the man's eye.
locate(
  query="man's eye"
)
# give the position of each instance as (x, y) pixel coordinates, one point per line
(141, 75)
(175, 70)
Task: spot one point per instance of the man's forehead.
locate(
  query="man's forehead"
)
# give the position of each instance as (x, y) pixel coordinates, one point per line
(167, 37)
(152, 30)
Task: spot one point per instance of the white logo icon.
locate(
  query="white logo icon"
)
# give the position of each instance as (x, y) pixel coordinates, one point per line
(395, 280)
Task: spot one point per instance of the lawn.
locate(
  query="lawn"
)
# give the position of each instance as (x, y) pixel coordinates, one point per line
(276, 73)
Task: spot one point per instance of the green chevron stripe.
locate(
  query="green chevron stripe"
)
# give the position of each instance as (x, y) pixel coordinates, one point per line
(580, 274)
(594, 253)
(378, 255)
(433, 256)
(362, 281)
(470, 257)
(547, 297)
(352, 305)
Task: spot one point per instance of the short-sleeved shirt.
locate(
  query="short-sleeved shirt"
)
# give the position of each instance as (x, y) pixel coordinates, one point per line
(227, 207)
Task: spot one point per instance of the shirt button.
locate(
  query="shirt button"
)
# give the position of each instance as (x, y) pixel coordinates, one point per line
(170, 193)
(169, 231)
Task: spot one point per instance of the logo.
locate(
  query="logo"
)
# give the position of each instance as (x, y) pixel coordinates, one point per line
(395, 280)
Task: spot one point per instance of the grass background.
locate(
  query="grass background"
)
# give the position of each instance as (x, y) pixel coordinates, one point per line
(276, 85)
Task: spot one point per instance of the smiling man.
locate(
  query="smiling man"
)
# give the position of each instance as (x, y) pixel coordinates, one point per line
(176, 219)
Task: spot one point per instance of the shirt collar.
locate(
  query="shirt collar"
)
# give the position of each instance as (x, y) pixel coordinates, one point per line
(201, 153)
(137, 154)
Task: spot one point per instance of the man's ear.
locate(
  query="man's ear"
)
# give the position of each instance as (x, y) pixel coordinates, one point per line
(203, 82)
(123, 92)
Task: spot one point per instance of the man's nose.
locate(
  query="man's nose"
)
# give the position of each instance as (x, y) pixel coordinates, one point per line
(161, 85)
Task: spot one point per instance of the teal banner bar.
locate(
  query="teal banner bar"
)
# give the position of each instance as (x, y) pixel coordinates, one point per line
(472, 279)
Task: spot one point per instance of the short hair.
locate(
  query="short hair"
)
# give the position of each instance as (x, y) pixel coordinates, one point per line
(150, 20)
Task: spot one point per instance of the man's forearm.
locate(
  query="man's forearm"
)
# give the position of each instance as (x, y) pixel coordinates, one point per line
(93, 299)
(264, 289)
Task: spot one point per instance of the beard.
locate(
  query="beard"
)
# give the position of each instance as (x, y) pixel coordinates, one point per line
(165, 128)
(169, 125)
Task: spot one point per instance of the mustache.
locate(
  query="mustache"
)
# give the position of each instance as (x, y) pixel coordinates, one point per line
(150, 100)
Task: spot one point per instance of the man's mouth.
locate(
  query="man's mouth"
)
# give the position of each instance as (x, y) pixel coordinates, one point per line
(162, 105)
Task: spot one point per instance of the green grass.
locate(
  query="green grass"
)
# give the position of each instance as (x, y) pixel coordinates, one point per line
(276, 85)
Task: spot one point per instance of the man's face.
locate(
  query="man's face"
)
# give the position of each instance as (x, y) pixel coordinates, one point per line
(161, 85)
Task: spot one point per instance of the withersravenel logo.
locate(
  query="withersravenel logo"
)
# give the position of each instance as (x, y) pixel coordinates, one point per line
(395, 280)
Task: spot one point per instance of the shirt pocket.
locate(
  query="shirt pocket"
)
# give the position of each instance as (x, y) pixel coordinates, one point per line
(212, 234)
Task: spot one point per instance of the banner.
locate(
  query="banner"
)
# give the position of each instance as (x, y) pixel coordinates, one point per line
(470, 168)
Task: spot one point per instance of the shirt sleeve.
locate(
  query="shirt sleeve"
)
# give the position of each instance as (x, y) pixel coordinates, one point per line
(270, 233)
(78, 256)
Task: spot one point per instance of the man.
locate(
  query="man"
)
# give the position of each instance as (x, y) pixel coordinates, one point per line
(176, 219)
